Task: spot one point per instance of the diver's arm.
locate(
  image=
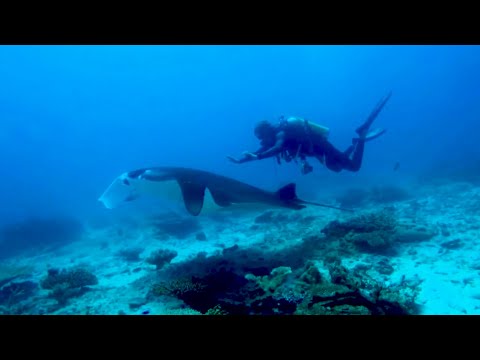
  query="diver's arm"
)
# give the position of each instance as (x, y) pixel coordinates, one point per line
(275, 149)
(247, 156)
(263, 152)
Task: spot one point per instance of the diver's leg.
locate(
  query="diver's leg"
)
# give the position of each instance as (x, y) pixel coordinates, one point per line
(356, 162)
(362, 130)
(331, 157)
(350, 149)
(336, 160)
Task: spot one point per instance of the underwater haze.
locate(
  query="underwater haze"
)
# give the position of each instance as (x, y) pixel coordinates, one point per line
(73, 118)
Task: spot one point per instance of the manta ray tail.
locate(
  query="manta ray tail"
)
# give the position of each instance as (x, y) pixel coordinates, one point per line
(288, 194)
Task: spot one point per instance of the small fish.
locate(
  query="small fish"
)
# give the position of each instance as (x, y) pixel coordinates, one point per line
(397, 165)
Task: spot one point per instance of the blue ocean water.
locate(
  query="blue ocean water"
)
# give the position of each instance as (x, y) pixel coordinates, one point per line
(75, 117)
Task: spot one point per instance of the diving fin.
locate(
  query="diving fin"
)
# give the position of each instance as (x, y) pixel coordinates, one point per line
(371, 135)
(363, 129)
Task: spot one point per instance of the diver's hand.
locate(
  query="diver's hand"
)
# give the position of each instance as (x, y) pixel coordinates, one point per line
(232, 159)
(249, 155)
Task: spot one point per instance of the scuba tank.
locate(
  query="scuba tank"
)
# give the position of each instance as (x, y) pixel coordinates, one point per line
(311, 127)
(311, 130)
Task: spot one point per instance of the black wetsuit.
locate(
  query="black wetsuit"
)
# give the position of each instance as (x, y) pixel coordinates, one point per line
(295, 141)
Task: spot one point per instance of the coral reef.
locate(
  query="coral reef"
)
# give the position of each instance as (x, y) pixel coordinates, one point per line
(283, 290)
(357, 293)
(373, 232)
(67, 284)
(216, 310)
(202, 294)
(161, 257)
(181, 288)
(15, 292)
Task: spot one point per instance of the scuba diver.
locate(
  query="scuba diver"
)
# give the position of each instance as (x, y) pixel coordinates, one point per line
(296, 139)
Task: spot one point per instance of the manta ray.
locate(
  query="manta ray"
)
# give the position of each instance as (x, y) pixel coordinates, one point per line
(193, 184)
